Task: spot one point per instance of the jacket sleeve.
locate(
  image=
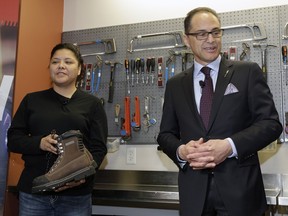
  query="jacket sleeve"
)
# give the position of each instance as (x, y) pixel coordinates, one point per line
(265, 126)
(19, 139)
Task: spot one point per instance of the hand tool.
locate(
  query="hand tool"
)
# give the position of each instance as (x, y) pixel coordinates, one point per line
(147, 122)
(80, 81)
(233, 53)
(117, 112)
(245, 52)
(257, 29)
(125, 122)
(168, 62)
(184, 60)
(148, 68)
(285, 35)
(225, 55)
(284, 57)
(177, 35)
(153, 63)
(93, 78)
(263, 48)
(132, 65)
(136, 119)
(184, 57)
(142, 67)
(126, 64)
(111, 82)
(99, 65)
(88, 77)
(160, 73)
(109, 46)
(137, 65)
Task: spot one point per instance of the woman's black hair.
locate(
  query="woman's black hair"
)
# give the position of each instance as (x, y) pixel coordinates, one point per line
(73, 48)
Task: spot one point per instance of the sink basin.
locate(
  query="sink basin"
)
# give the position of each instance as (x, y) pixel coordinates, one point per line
(272, 185)
(283, 197)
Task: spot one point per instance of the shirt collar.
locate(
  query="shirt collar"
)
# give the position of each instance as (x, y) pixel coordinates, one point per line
(213, 65)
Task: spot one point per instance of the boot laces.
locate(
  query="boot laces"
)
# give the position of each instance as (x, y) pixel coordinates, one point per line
(60, 150)
(81, 144)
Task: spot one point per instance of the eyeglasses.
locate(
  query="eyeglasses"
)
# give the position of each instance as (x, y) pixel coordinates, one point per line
(203, 35)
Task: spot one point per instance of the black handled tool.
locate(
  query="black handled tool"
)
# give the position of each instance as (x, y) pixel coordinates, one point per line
(111, 82)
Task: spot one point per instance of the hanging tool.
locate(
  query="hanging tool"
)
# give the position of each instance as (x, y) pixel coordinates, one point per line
(285, 66)
(117, 112)
(186, 56)
(125, 122)
(109, 46)
(147, 122)
(88, 77)
(285, 34)
(153, 63)
(225, 55)
(137, 65)
(126, 64)
(112, 76)
(245, 52)
(99, 65)
(148, 69)
(263, 48)
(136, 119)
(233, 53)
(169, 60)
(177, 35)
(93, 79)
(160, 72)
(132, 65)
(257, 29)
(142, 67)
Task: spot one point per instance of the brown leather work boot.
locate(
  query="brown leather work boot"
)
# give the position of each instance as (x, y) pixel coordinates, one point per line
(74, 162)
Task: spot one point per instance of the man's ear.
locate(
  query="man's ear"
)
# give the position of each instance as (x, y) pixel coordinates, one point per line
(186, 40)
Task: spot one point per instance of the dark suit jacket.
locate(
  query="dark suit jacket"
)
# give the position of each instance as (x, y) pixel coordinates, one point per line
(248, 117)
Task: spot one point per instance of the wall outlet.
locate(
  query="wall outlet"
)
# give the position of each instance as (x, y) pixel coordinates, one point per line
(131, 155)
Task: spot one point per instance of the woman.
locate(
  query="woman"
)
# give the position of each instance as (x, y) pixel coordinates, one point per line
(59, 109)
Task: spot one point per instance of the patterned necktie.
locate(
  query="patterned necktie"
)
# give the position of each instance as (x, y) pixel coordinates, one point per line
(207, 96)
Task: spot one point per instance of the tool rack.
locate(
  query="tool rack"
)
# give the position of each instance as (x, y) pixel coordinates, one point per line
(273, 18)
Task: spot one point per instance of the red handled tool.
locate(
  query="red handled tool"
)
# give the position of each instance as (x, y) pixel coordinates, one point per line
(125, 122)
(160, 72)
(136, 119)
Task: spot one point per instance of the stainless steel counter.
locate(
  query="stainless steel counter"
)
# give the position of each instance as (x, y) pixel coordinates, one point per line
(157, 189)
(145, 189)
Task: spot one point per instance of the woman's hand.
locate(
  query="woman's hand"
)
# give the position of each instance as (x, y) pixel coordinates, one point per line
(70, 185)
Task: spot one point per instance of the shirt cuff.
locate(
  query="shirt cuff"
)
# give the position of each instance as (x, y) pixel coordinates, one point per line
(180, 161)
(234, 150)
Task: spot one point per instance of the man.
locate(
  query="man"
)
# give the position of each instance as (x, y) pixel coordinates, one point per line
(217, 156)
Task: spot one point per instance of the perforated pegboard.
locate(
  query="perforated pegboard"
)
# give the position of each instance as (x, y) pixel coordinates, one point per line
(273, 18)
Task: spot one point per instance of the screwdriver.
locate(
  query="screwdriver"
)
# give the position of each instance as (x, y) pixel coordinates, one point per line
(152, 70)
(148, 68)
(132, 65)
(137, 69)
(142, 65)
(284, 55)
(126, 64)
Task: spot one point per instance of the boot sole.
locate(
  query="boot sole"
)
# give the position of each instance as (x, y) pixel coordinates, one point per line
(76, 176)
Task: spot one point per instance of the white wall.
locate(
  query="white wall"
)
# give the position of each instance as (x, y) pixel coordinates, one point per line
(85, 14)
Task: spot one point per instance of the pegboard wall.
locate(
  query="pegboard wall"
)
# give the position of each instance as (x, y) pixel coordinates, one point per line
(272, 18)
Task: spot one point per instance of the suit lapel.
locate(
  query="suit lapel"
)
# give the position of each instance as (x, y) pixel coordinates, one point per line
(189, 94)
(225, 74)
